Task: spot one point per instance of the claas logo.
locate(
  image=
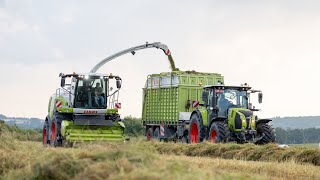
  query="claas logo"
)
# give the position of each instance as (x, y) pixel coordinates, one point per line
(90, 112)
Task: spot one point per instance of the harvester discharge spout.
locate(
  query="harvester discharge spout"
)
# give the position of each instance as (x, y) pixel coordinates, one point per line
(133, 50)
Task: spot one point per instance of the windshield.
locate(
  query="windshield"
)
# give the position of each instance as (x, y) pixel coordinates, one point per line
(91, 93)
(231, 98)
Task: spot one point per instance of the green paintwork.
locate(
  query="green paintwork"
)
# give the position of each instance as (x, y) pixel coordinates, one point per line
(112, 111)
(163, 103)
(204, 115)
(73, 132)
(65, 110)
(231, 120)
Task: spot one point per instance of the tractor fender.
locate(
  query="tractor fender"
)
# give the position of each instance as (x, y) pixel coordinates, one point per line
(217, 120)
(262, 121)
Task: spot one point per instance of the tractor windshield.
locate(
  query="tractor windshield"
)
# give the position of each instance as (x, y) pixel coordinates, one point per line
(231, 98)
(91, 93)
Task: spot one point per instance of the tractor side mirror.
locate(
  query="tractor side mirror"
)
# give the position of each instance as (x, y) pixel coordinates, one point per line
(118, 84)
(63, 82)
(260, 96)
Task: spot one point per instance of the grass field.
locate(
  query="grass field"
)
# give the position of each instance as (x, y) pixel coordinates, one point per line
(22, 158)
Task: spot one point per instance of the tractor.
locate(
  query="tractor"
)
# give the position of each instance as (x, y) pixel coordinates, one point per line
(228, 115)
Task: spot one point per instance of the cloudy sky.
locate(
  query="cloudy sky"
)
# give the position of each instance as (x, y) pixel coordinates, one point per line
(272, 45)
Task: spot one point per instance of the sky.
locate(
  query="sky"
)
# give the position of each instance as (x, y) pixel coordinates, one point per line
(271, 45)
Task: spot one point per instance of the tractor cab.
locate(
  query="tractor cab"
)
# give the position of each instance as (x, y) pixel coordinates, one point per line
(231, 105)
(90, 91)
(220, 99)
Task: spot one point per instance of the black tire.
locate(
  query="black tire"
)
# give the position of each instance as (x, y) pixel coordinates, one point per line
(156, 134)
(184, 139)
(195, 134)
(55, 132)
(219, 132)
(268, 133)
(45, 134)
(149, 134)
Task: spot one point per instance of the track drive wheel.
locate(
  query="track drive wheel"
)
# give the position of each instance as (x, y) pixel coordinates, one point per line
(219, 132)
(149, 134)
(267, 132)
(195, 134)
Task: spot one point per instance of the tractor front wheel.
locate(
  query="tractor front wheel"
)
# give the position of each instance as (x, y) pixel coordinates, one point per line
(267, 132)
(219, 132)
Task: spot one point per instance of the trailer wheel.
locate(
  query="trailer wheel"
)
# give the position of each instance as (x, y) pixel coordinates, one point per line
(156, 134)
(149, 134)
(45, 140)
(268, 133)
(195, 130)
(219, 132)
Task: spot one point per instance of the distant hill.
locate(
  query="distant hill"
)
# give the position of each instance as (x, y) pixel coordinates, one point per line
(302, 122)
(21, 122)
(2, 116)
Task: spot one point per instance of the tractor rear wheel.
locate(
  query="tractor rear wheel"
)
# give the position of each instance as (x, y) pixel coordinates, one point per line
(195, 133)
(219, 132)
(267, 132)
(149, 134)
(45, 133)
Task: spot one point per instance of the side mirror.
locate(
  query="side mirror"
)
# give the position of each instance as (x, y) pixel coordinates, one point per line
(118, 84)
(260, 96)
(63, 82)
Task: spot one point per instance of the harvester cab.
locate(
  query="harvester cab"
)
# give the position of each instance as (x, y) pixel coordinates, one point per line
(90, 91)
(231, 106)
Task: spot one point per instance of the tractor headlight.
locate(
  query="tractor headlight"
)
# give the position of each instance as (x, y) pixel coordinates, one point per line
(253, 122)
(243, 119)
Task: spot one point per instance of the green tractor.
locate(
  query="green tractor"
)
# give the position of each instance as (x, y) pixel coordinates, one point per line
(227, 115)
(84, 110)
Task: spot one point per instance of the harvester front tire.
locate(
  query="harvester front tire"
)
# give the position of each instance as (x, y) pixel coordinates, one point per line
(149, 134)
(269, 133)
(56, 140)
(45, 134)
(195, 134)
(219, 132)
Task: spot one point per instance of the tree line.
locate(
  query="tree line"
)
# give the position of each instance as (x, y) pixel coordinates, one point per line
(298, 136)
